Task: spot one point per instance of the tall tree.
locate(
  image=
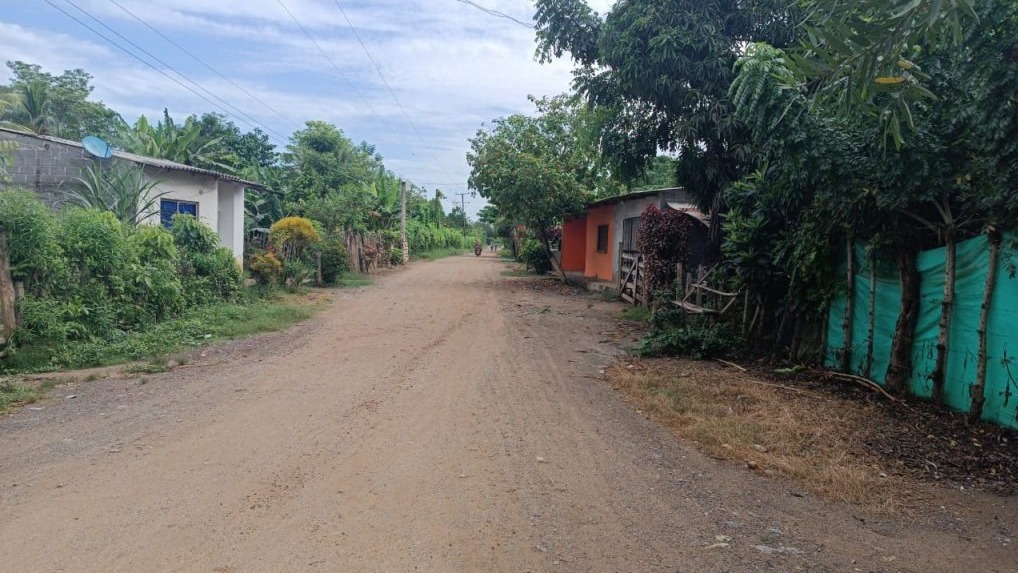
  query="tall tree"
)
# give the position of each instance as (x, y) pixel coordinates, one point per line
(59, 104)
(529, 168)
(660, 70)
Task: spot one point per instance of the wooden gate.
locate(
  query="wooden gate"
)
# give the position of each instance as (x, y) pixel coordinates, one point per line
(632, 275)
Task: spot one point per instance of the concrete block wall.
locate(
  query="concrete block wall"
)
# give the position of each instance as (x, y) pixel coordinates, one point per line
(45, 166)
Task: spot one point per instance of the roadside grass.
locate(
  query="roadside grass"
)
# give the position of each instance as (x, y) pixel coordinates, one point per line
(518, 273)
(439, 253)
(812, 439)
(197, 327)
(353, 280)
(637, 314)
(13, 395)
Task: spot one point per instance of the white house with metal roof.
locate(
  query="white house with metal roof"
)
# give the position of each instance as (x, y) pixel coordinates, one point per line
(45, 164)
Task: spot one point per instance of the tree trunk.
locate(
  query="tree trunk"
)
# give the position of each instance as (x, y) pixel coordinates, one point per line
(8, 316)
(899, 371)
(824, 324)
(946, 309)
(846, 329)
(872, 326)
(978, 398)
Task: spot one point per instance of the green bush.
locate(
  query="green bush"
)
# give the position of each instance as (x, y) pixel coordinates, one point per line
(672, 333)
(193, 236)
(208, 272)
(155, 284)
(534, 257)
(266, 269)
(297, 272)
(32, 241)
(335, 258)
(395, 256)
(154, 245)
(96, 246)
(208, 277)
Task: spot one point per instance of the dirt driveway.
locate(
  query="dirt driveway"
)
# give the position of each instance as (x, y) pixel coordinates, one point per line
(444, 419)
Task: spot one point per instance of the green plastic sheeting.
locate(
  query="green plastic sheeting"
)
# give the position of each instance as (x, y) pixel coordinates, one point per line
(972, 263)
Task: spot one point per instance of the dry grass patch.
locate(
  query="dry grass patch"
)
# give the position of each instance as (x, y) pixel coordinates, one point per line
(815, 439)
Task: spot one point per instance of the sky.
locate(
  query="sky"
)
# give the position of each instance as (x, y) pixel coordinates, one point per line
(415, 78)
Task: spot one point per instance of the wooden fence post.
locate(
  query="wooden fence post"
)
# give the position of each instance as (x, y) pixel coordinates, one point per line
(8, 317)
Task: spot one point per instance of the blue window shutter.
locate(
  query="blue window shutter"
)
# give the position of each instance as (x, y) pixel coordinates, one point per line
(167, 209)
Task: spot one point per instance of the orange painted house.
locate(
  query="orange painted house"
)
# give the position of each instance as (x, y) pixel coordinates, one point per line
(593, 242)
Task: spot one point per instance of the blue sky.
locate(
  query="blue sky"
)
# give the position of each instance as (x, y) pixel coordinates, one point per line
(449, 67)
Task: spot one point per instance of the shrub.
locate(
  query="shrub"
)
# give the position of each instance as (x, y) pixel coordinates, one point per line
(208, 272)
(534, 256)
(154, 245)
(672, 333)
(97, 249)
(293, 236)
(395, 256)
(193, 236)
(664, 242)
(35, 254)
(266, 269)
(335, 258)
(155, 284)
(209, 277)
(297, 272)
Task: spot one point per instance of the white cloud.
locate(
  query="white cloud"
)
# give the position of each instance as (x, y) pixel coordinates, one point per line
(451, 67)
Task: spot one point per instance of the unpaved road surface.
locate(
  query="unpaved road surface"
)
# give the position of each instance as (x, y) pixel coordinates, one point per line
(445, 419)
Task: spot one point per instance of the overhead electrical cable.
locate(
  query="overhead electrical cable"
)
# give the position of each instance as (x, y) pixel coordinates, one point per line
(325, 55)
(207, 66)
(498, 14)
(135, 56)
(378, 70)
(244, 116)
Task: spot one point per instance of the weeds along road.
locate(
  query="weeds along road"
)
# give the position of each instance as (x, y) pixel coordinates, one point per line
(445, 419)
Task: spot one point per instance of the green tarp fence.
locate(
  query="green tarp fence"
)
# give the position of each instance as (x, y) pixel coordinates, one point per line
(973, 258)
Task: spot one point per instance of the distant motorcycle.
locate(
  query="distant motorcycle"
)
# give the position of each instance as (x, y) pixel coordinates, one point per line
(477, 250)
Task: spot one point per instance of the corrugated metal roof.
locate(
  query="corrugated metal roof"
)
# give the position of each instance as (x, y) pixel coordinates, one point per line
(631, 196)
(143, 160)
(691, 210)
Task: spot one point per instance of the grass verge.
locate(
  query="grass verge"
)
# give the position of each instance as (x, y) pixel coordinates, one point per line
(353, 280)
(813, 439)
(637, 314)
(197, 327)
(440, 253)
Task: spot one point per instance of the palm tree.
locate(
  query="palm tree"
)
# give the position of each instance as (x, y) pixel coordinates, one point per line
(29, 108)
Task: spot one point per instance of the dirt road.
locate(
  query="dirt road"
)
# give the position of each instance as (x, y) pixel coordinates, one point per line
(445, 419)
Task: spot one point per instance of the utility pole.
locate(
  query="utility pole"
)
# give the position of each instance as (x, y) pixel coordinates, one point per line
(463, 208)
(404, 244)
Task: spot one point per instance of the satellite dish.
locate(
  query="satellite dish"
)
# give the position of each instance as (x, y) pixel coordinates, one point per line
(97, 147)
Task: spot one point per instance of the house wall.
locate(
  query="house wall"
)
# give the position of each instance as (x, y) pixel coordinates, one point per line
(44, 166)
(574, 244)
(231, 217)
(183, 186)
(627, 209)
(599, 265)
(47, 166)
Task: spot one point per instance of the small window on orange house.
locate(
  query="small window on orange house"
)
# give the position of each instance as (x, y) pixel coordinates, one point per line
(602, 238)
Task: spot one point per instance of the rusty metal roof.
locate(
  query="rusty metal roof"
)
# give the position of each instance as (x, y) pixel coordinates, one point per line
(143, 160)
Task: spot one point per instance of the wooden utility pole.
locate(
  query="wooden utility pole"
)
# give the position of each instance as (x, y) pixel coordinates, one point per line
(8, 318)
(404, 244)
(463, 209)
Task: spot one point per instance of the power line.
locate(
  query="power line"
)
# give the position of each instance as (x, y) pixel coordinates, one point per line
(202, 62)
(247, 118)
(378, 70)
(142, 60)
(334, 66)
(498, 14)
